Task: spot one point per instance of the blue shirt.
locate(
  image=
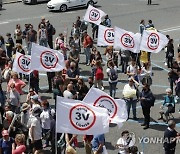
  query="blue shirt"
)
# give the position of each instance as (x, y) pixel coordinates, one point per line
(97, 140)
(6, 146)
(169, 100)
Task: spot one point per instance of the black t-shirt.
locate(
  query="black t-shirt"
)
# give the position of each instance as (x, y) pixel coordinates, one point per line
(168, 136)
(72, 74)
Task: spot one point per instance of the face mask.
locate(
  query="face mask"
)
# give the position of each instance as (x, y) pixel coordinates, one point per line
(72, 68)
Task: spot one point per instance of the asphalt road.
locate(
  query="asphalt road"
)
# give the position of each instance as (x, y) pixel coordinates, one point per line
(127, 15)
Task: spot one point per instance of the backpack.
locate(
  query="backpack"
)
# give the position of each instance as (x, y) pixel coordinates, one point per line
(113, 74)
(53, 31)
(153, 100)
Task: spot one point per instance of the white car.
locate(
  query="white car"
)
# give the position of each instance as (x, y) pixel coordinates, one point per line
(64, 5)
(33, 1)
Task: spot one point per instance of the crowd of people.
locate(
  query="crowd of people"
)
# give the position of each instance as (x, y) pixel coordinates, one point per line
(24, 123)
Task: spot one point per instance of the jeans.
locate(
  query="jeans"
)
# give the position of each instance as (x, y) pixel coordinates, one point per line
(29, 46)
(50, 41)
(124, 61)
(43, 42)
(87, 53)
(129, 103)
(112, 89)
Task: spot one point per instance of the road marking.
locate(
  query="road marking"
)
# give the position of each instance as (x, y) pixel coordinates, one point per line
(170, 29)
(160, 67)
(4, 22)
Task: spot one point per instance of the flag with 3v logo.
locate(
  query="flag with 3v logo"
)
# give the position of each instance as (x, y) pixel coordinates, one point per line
(46, 59)
(126, 40)
(76, 117)
(94, 15)
(22, 63)
(153, 41)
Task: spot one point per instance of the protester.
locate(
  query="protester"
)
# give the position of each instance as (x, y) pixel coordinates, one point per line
(6, 143)
(99, 75)
(31, 38)
(9, 45)
(147, 100)
(130, 96)
(87, 143)
(170, 53)
(43, 37)
(87, 44)
(19, 84)
(98, 142)
(124, 143)
(170, 138)
(19, 146)
(50, 32)
(113, 78)
(168, 105)
(18, 34)
(46, 116)
(35, 130)
(142, 26)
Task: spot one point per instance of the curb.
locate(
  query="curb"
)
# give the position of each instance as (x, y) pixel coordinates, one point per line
(15, 1)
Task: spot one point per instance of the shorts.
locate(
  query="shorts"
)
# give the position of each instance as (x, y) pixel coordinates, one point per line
(37, 145)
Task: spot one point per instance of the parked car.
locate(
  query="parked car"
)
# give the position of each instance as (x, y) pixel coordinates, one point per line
(33, 1)
(64, 5)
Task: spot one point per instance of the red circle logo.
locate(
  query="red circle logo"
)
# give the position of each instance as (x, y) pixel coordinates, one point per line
(48, 59)
(94, 15)
(24, 63)
(82, 117)
(109, 35)
(127, 40)
(153, 41)
(107, 103)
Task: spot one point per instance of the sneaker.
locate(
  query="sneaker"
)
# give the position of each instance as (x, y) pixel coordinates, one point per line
(143, 124)
(102, 88)
(135, 118)
(45, 145)
(146, 127)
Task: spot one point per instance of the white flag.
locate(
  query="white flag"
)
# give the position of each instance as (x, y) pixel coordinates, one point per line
(46, 59)
(22, 63)
(126, 40)
(76, 117)
(94, 15)
(153, 41)
(105, 36)
(116, 107)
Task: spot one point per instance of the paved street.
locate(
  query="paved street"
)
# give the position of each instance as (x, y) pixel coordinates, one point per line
(127, 15)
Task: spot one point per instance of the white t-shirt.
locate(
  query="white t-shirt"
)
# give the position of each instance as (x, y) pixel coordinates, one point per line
(125, 144)
(68, 94)
(132, 69)
(35, 122)
(46, 118)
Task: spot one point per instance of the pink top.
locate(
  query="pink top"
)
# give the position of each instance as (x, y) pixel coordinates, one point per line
(19, 149)
(18, 83)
